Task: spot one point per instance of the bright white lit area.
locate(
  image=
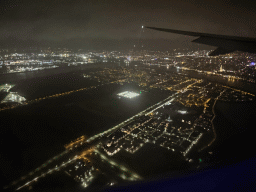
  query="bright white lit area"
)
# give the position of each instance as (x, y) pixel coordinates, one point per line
(128, 94)
(182, 112)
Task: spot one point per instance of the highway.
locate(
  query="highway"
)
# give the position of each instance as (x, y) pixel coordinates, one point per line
(57, 163)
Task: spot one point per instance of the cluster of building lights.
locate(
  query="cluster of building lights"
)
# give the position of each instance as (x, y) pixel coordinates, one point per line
(128, 94)
(6, 87)
(13, 97)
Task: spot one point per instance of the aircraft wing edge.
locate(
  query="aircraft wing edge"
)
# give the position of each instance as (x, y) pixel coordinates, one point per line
(196, 34)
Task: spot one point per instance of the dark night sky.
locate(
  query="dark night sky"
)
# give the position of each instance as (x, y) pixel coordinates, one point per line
(115, 23)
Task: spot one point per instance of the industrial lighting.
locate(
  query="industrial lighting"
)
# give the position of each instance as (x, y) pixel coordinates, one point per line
(128, 94)
(182, 112)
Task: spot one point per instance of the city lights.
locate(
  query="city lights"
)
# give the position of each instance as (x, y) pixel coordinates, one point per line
(128, 94)
(13, 97)
(6, 87)
(182, 112)
(179, 122)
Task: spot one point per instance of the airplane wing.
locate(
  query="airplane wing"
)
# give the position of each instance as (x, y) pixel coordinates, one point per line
(225, 44)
